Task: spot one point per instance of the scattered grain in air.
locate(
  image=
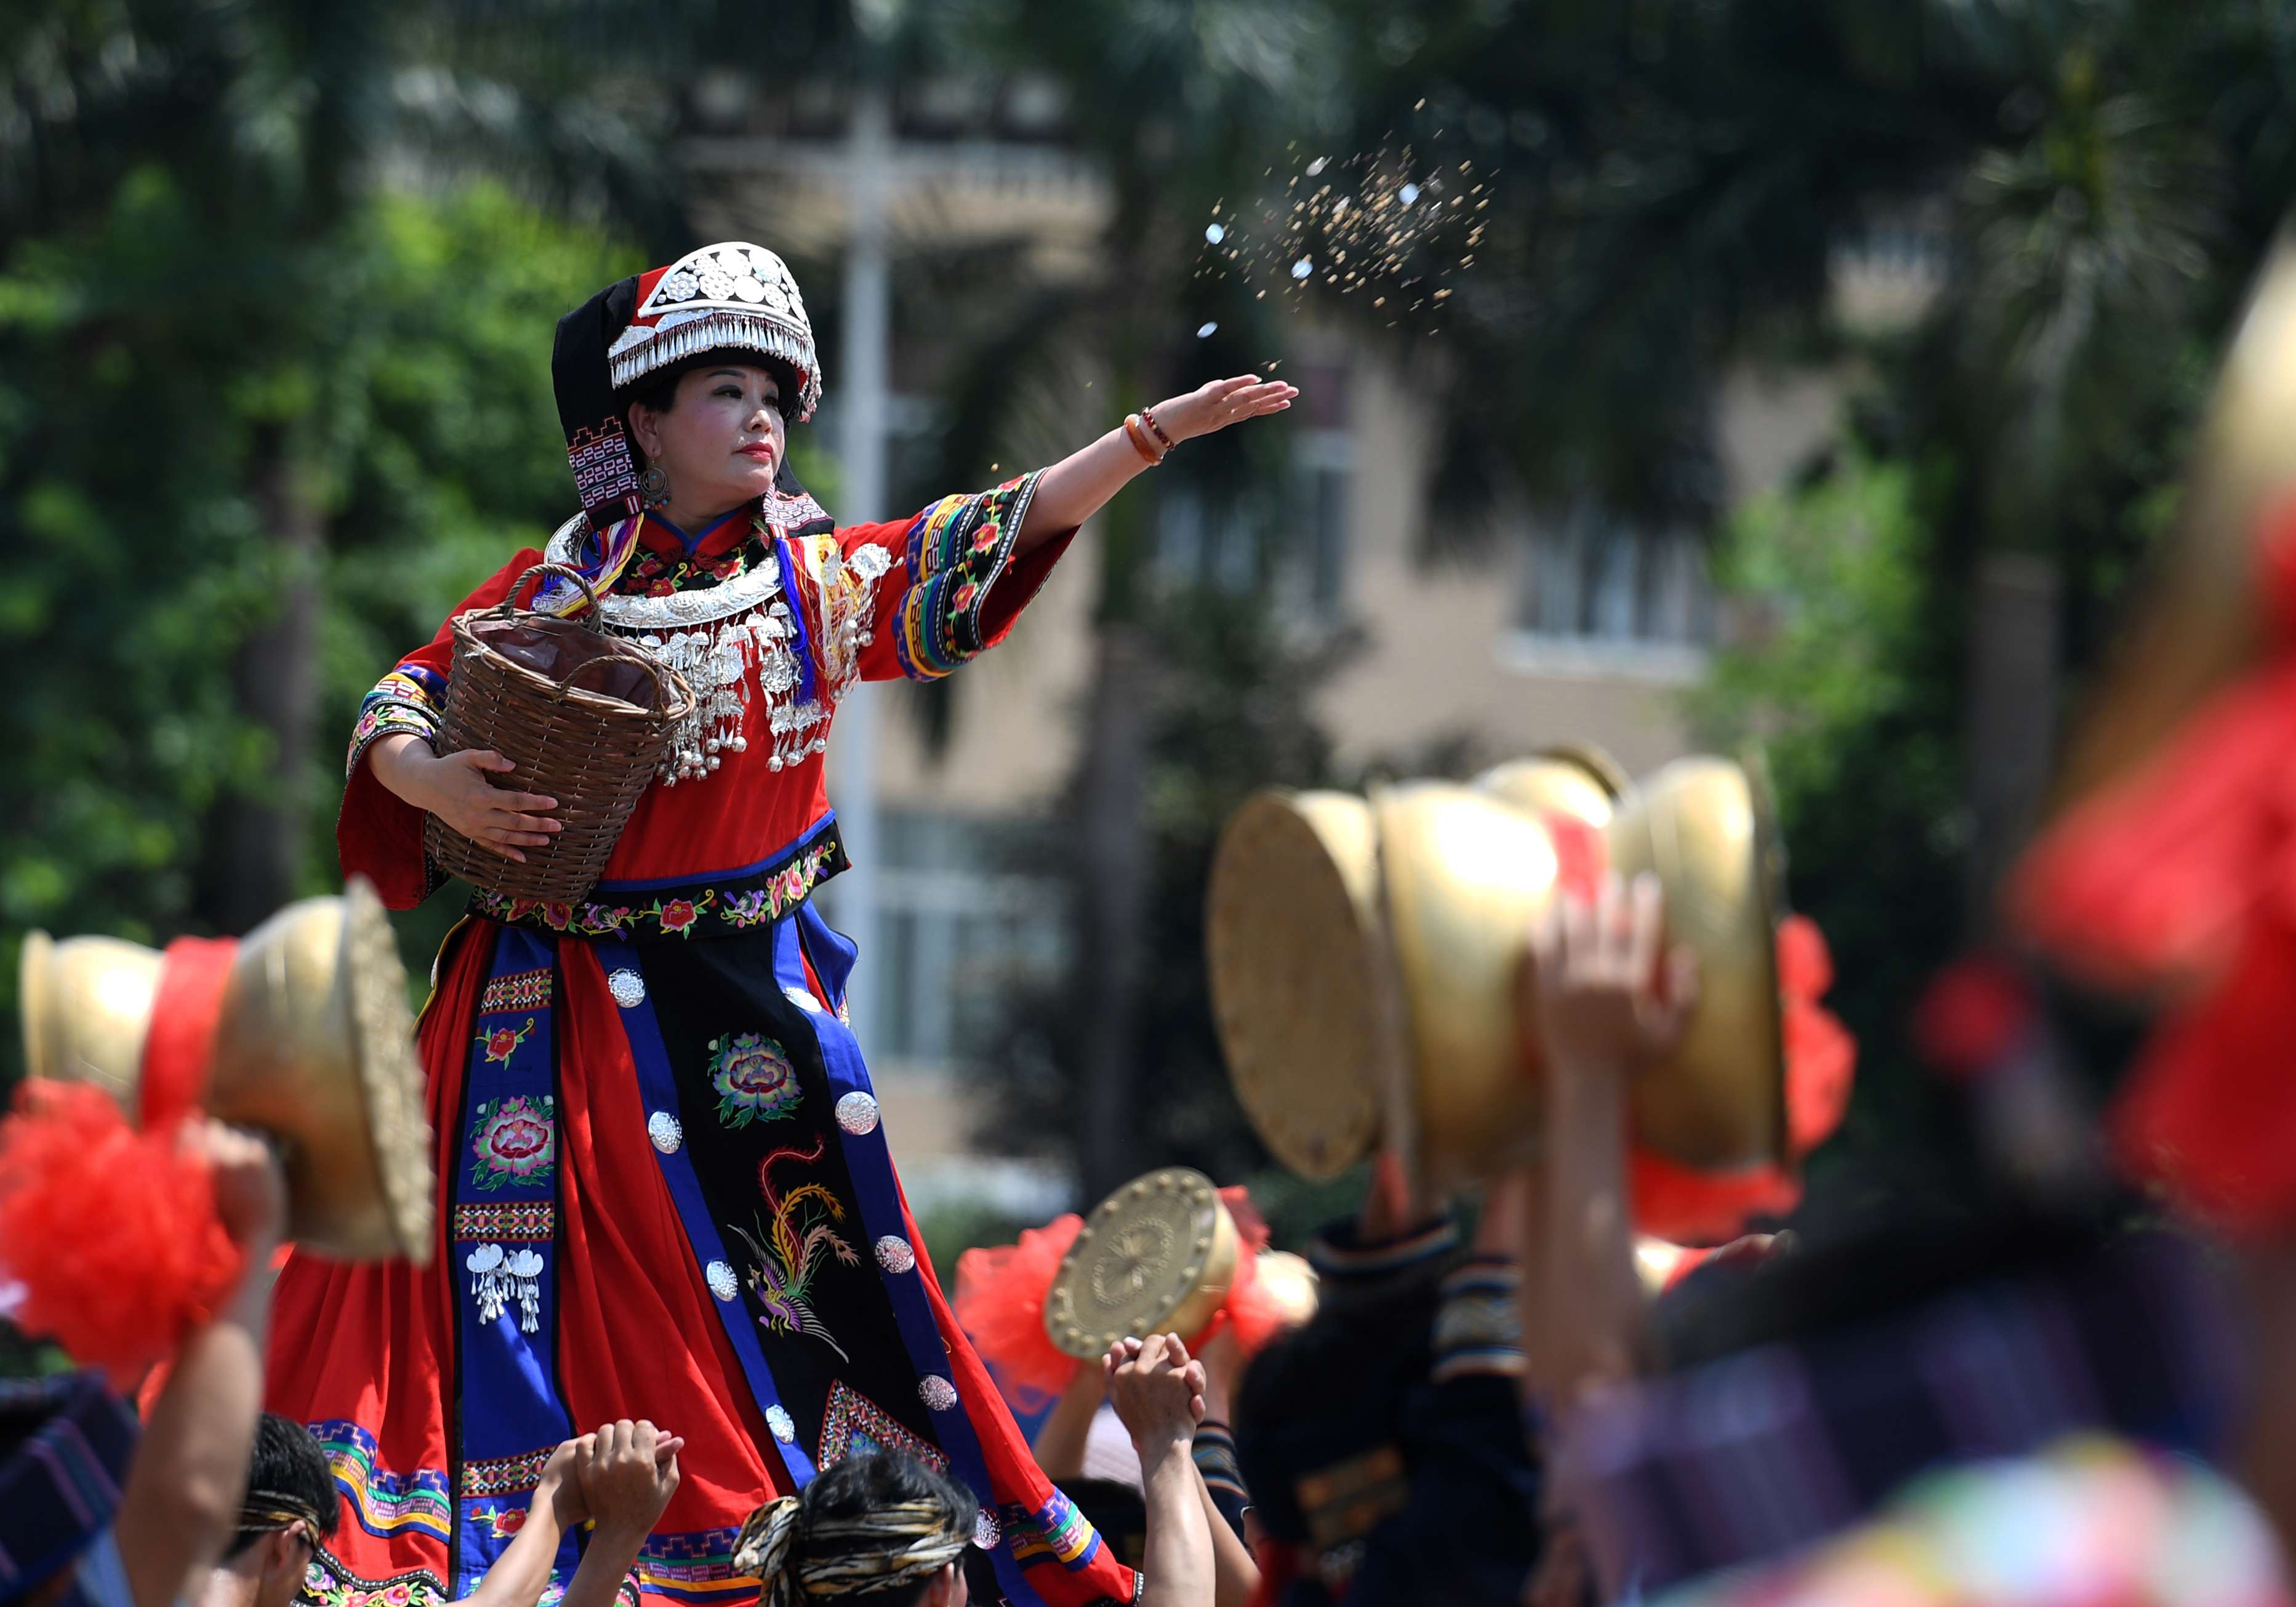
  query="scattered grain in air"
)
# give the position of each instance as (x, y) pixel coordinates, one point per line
(1205, 330)
(1214, 233)
(1422, 106)
(1378, 302)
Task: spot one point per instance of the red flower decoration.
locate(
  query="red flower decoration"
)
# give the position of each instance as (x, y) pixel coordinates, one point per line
(677, 915)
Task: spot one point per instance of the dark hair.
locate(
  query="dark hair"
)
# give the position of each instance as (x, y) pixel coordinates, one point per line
(657, 390)
(859, 1485)
(288, 1462)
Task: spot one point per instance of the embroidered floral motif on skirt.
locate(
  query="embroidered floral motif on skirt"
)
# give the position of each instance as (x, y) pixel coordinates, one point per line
(512, 1416)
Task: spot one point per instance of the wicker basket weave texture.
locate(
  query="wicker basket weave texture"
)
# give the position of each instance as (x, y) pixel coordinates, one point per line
(593, 747)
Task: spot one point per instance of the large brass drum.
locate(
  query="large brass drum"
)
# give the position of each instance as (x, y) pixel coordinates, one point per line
(1719, 1099)
(1299, 975)
(314, 1047)
(1158, 1256)
(1465, 875)
(1367, 964)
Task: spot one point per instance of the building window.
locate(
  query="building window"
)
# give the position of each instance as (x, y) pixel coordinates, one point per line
(1606, 594)
(1201, 543)
(958, 931)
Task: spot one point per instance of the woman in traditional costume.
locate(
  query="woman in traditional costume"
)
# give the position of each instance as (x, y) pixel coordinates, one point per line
(667, 1192)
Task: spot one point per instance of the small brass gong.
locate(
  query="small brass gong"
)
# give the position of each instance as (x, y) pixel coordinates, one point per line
(1158, 1256)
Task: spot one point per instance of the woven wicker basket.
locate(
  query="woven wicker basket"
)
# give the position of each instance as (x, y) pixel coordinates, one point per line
(592, 746)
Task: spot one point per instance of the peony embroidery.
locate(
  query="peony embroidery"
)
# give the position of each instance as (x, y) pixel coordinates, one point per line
(502, 1042)
(516, 1141)
(754, 1080)
(676, 918)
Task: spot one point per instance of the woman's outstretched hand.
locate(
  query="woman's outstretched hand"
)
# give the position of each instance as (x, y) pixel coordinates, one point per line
(1080, 484)
(455, 789)
(1216, 404)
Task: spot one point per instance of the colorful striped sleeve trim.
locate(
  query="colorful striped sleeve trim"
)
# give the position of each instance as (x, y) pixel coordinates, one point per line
(957, 549)
(412, 698)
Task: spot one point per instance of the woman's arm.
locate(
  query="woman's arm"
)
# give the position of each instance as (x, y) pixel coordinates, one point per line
(628, 1475)
(1080, 484)
(1235, 1577)
(181, 1498)
(1605, 1008)
(522, 1574)
(1067, 1428)
(1159, 1395)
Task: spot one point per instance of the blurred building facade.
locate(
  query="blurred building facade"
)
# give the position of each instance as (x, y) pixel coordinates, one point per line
(1570, 626)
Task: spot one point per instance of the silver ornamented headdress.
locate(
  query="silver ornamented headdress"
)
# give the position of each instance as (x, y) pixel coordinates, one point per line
(733, 296)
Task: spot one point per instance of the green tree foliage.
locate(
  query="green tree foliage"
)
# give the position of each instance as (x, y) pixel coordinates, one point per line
(129, 410)
(1834, 676)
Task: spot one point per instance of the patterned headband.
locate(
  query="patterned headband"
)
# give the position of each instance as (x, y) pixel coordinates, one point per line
(266, 1512)
(902, 1543)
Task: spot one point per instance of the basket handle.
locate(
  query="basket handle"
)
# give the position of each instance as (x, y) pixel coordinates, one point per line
(508, 606)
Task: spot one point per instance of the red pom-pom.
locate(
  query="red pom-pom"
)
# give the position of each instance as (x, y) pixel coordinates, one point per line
(111, 1232)
(1000, 1304)
(1684, 1206)
(1251, 1227)
(1821, 1066)
(1821, 1056)
(1805, 964)
(1256, 1315)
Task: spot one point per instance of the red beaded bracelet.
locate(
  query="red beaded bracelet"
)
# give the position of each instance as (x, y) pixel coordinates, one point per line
(1148, 417)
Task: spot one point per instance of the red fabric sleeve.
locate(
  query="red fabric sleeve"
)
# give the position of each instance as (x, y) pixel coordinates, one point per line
(378, 834)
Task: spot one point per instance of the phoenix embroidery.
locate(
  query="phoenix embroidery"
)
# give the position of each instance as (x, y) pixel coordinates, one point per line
(798, 1233)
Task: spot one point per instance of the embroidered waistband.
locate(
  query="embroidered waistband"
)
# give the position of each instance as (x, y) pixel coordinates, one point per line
(707, 906)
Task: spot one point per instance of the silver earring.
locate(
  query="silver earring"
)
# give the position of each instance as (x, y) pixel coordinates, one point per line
(653, 485)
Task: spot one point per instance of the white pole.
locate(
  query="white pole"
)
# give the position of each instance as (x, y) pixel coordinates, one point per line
(868, 317)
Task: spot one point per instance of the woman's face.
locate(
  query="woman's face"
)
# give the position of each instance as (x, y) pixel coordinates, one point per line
(720, 444)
